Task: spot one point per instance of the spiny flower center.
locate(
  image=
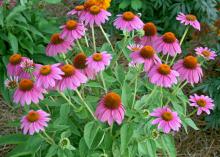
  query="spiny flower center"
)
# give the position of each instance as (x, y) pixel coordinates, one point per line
(33, 116)
(95, 9)
(150, 29)
(55, 39)
(169, 37)
(147, 52)
(190, 62)
(12, 84)
(164, 69)
(15, 59)
(80, 61)
(71, 24)
(128, 16)
(167, 116)
(191, 17)
(26, 85)
(206, 53)
(45, 70)
(201, 102)
(112, 100)
(97, 57)
(89, 3)
(68, 70)
(79, 8)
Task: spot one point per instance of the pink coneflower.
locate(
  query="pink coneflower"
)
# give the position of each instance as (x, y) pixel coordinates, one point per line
(28, 92)
(128, 21)
(71, 79)
(95, 16)
(11, 82)
(162, 75)
(72, 30)
(13, 67)
(110, 109)
(134, 47)
(189, 69)
(78, 10)
(167, 44)
(79, 63)
(98, 61)
(206, 53)
(189, 19)
(146, 55)
(166, 119)
(47, 75)
(150, 34)
(34, 122)
(202, 102)
(57, 45)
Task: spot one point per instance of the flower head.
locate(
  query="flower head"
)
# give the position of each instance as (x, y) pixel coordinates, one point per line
(95, 16)
(72, 30)
(71, 79)
(150, 34)
(162, 75)
(47, 75)
(79, 9)
(34, 122)
(134, 47)
(206, 53)
(79, 63)
(11, 82)
(202, 103)
(110, 109)
(27, 65)
(99, 61)
(189, 69)
(146, 55)
(166, 119)
(13, 67)
(27, 92)
(57, 45)
(128, 21)
(167, 44)
(189, 19)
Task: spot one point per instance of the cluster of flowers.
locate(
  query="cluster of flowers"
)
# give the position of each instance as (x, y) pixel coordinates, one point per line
(33, 80)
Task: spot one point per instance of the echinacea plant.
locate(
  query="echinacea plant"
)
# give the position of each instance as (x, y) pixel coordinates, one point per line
(121, 98)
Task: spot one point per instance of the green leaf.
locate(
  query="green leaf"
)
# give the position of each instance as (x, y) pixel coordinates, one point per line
(52, 151)
(136, 4)
(13, 41)
(190, 122)
(147, 148)
(126, 133)
(124, 4)
(53, 1)
(13, 139)
(90, 131)
(120, 73)
(168, 145)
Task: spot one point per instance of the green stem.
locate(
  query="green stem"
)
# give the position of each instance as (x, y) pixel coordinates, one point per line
(119, 54)
(161, 96)
(167, 58)
(93, 38)
(184, 35)
(44, 138)
(86, 39)
(192, 113)
(106, 37)
(70, 103)
(48, 137)
(86, 105)
(135, 91)
(64, 58)
(78, 44)
(103, 81)
(181, 41)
